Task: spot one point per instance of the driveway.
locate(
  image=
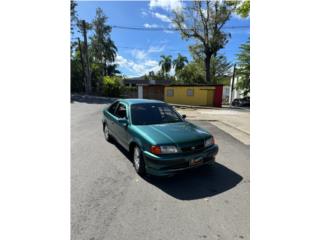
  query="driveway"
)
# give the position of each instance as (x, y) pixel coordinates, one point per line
(110, 201)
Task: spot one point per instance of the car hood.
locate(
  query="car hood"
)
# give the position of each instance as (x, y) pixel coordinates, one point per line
(173, 133)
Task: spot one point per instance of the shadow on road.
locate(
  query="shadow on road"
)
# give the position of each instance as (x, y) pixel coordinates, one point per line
(202, 182)
(198, 183)
(91, 99)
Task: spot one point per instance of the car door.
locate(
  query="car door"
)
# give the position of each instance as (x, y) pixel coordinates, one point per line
(110, 117)
(121, 129)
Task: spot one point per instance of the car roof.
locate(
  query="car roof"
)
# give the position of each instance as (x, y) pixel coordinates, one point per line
(131, 101)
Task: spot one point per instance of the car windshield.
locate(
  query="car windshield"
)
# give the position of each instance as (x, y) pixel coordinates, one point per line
(153, 113)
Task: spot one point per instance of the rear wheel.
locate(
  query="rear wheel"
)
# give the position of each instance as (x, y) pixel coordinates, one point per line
(138, 161)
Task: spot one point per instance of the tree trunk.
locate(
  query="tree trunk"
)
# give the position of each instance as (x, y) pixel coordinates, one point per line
(207, 67)
(86, 59)
(214, 68)
(82, 64)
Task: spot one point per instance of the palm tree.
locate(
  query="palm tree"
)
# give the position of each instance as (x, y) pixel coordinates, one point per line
(165, 63)
(179, 62)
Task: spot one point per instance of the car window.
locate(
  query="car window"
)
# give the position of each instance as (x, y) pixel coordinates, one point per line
(121, 111)
(112, 108)
(153, 113)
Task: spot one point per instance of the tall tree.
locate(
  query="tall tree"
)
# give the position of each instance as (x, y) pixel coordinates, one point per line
(179, 62)
(165, 64)
(73, 21)
(83, 47)
(219, 66)
(103, 48)
(203, 21)
(243, 71)
(73, 14)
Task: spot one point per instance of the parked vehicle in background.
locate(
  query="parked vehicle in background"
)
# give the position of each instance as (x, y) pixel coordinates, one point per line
(241, 102)
(159, 140)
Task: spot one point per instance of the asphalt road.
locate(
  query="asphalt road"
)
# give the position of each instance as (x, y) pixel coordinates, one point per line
(110, 201)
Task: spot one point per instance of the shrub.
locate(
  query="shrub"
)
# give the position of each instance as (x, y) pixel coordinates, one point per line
(112, 86)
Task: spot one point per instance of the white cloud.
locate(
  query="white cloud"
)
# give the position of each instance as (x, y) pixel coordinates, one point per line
(147, 25)
(156, 49)
(167, 5)
(168, 31)
(144, 13)
(141, 63)
(151, 63)
(139, 54)
(162, 17)
(137, 69)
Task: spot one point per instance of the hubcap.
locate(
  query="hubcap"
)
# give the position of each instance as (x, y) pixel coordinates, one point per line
(106, 131)
(136, 158)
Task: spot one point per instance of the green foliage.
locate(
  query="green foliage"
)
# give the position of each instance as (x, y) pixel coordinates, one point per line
(166, 64)
(77, 84)
(194, 72)
(98, 53)
(179, 62)
(243, 70)
(103, 48)
(220, 69)
(244, 9)
(158, 76)
(112, 86)
(73, 14)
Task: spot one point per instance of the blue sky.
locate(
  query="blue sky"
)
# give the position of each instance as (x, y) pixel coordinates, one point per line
(139, 51)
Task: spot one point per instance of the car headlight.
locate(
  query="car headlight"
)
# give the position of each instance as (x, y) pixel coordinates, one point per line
(209, 142)
(164, 149)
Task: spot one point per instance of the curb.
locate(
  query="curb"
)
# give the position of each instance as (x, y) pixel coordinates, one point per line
(230, 125)
(215, 120)
(206, 107)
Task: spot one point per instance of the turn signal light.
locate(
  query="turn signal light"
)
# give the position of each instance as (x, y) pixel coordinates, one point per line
(156, 150)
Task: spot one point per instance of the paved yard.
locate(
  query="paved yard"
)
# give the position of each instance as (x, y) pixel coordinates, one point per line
(109, 200)
(236, 122)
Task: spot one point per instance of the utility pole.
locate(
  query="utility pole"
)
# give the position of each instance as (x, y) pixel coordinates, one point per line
(85, 57)
(232, 84)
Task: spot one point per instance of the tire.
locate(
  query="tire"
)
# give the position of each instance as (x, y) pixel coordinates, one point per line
(106, 133)
(138, 161)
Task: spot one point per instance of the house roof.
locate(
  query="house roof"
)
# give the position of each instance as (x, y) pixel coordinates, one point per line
(143, 81)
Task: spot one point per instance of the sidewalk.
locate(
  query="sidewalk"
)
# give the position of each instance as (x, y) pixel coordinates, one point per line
(236, 122)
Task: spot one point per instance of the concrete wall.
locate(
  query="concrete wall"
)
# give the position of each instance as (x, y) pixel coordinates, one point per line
(202, 95)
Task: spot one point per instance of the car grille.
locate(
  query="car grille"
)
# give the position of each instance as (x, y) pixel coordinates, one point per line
(193, 148)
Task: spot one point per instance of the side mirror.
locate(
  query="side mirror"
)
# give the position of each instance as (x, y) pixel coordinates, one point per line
(123, 121)
(184, 116)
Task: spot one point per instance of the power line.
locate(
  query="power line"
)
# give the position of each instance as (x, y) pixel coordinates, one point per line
(167, 29)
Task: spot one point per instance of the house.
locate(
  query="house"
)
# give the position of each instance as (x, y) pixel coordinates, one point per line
(185, 94)
(149, 89)
(198, 95)
(234, 93)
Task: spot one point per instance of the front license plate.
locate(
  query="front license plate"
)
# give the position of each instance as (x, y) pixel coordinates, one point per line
(196, 161)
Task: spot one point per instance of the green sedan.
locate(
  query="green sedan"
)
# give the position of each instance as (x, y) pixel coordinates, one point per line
(160, 141)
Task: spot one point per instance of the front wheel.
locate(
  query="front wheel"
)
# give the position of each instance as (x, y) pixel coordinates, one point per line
(138, 161)
(106, 132)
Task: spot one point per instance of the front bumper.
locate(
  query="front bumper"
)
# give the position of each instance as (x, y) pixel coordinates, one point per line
(162, 165)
